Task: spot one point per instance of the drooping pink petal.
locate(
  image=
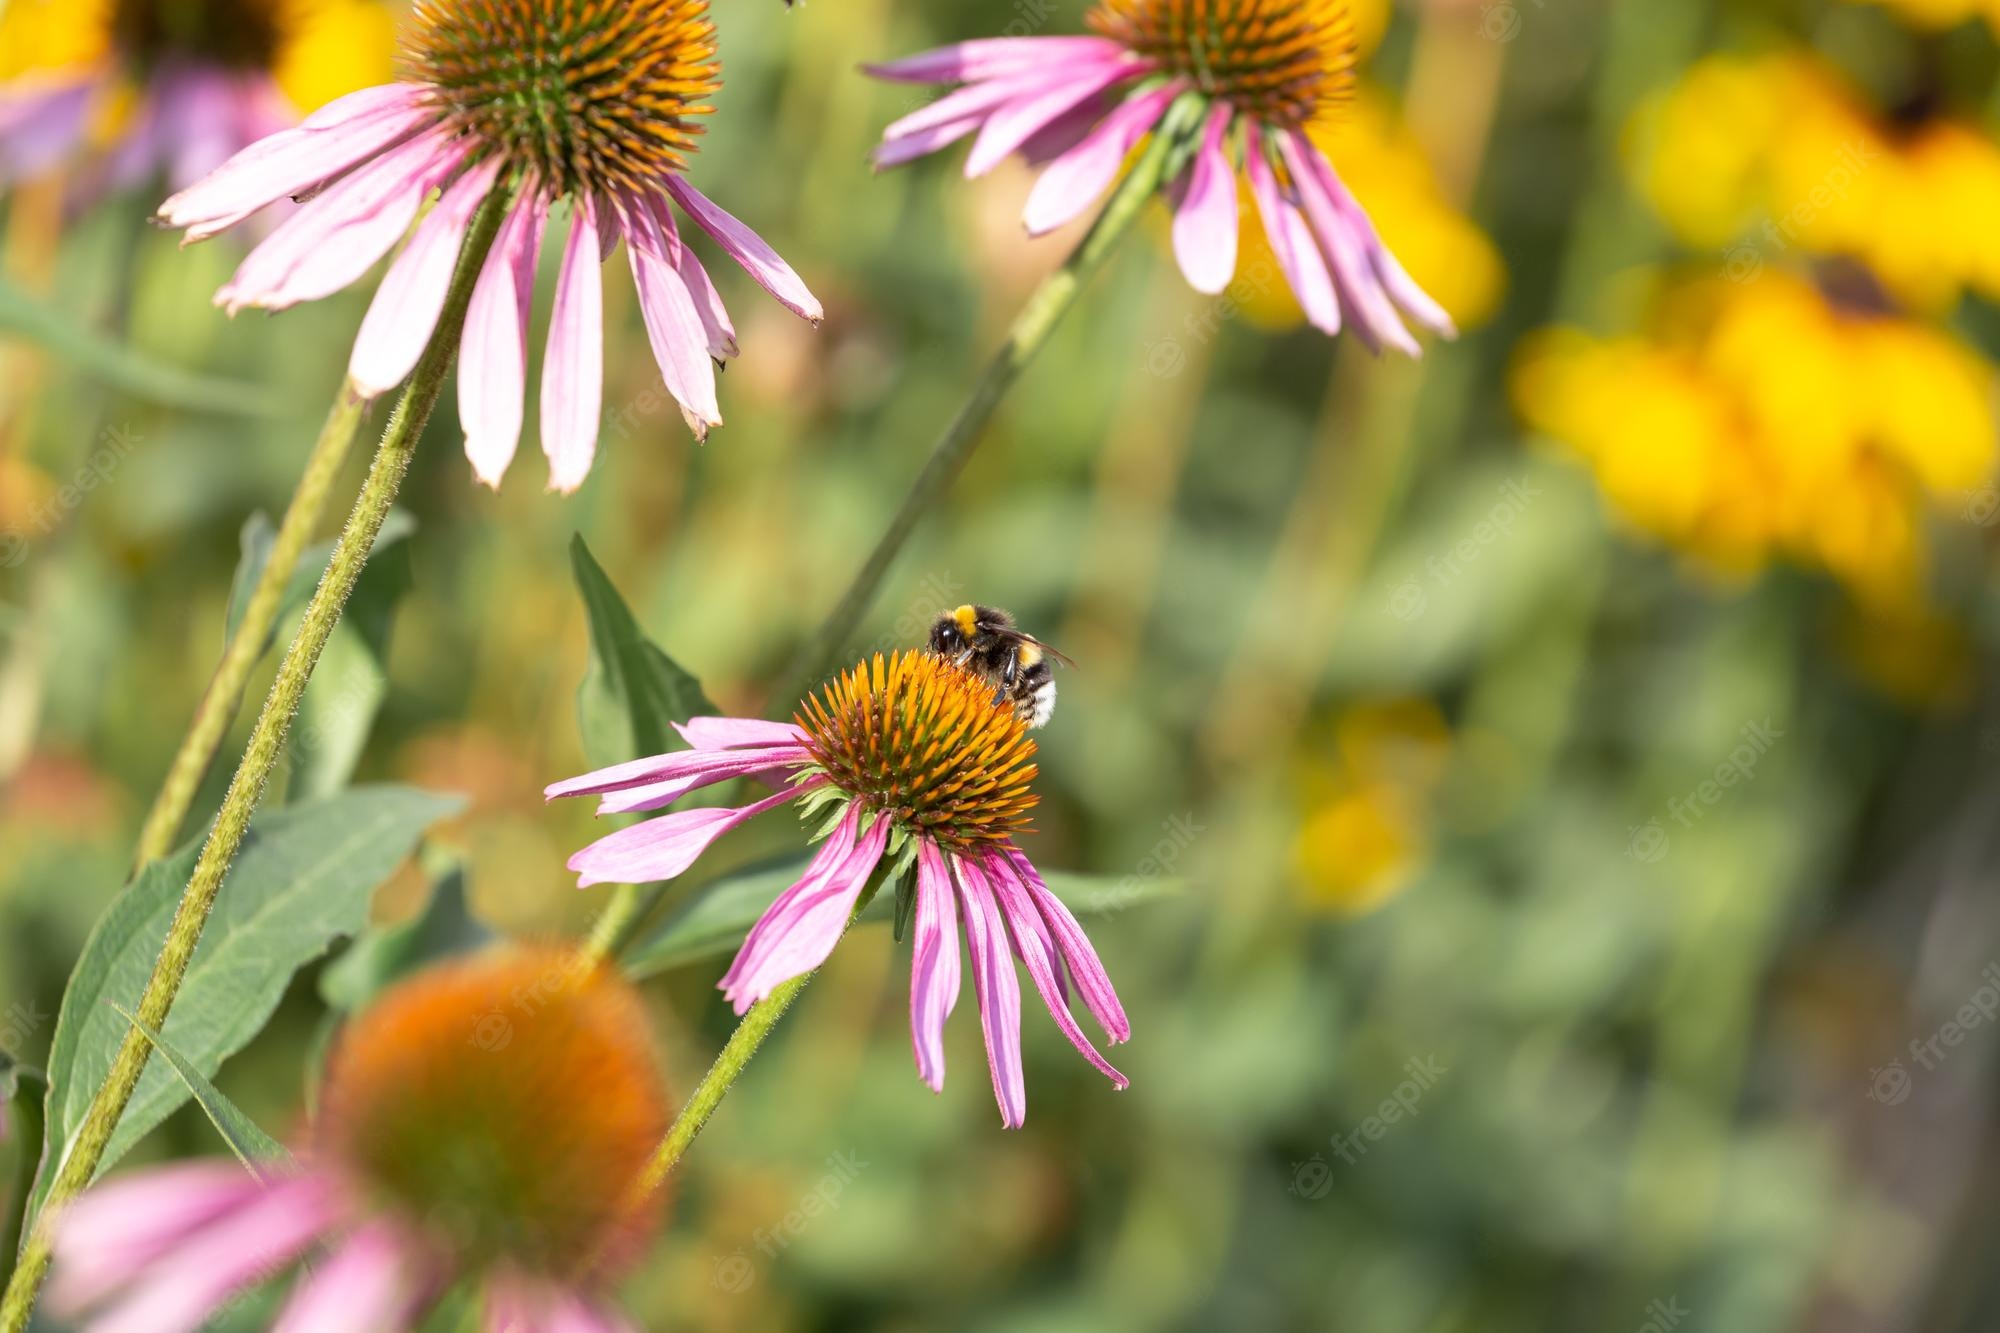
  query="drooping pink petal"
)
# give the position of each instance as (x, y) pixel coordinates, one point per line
(1092, 981)
(1205, 223)
(334, 239)
(892, 153)
(329, 142)
(934, 973)
(573, 368)
(708, 302)
(1018, 121)
(730, 764)
(241, 1247)
(405, 310)
(108, 1236)
(493, 359)
(729, 733)
(1291, 239)
(798, 931)
(998, 989)
(1389, 271)
(1075, 180)
(1347, 250)
(1038, 952)
(993, 57)
(662, 848)
(749, 249)
(673, 325)
(365, 1285)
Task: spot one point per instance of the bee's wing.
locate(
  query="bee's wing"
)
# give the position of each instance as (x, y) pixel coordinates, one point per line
(1017, 636)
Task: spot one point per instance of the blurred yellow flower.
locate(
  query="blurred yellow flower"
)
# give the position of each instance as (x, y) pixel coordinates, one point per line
(1367, 797)
(1761, 155)
(1756, 419)
(1385, 166)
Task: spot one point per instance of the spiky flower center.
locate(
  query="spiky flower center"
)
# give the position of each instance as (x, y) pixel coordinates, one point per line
(592, 95)
(502, 1107)
(239, 34)
(928, 744)
(1279, 61)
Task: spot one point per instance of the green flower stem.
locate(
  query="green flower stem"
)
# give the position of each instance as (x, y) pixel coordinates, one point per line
(1031, 330)
(246, 646)
(260, 758)
(729, 1065)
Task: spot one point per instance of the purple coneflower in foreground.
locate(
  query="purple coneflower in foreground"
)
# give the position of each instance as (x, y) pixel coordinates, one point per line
(481, 1124)
(909, 758)
(1263, 69)
(579, 101)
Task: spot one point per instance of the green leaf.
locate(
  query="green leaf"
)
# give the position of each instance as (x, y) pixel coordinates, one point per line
(252, 1146)
(383, 955)
(119, 366)
(713, 922)
(259, 535)
(632, 692)
(304, 876)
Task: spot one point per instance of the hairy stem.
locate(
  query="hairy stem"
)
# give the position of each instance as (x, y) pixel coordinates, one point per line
(260, 758)
(246, 646)
(1030, 332)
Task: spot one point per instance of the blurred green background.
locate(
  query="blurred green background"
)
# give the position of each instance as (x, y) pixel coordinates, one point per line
(1646, 866)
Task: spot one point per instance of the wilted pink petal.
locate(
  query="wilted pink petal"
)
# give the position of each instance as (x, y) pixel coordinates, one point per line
(405, 310)
(573, 369)
(999, 992)
(1205, 224)
(662, 848)
(934, 972)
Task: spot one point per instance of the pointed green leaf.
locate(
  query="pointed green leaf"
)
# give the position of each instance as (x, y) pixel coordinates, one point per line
(252, 1146)
(632, 692)
(304, 877)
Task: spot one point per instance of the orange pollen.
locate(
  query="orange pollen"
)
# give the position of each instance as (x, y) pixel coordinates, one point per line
(592, 95)
(1280, 61)
(927, 743)
(503, 1106)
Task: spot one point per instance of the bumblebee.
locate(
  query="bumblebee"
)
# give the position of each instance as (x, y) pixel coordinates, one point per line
(985, 641)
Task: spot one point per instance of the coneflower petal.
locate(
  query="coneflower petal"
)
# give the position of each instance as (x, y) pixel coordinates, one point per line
(749, 249)
(673, 325)
(573, 368)
(405, 310)
(1092, 981)
(993, 57)
(1205, 223)
(715, 320)
(998, 990)
(1346, 249)
(39, 128)
(728, 733)
(111, 1233)
(662, 848)
(493, 363)
(1017, 122)
(797, 933)
(1291, 239)
(363, 1285)
(1075, 180)
(1038, 952)
(732, 764)
(934, 969)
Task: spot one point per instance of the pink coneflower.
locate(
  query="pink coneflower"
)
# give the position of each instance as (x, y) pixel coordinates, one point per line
(588, 102)
(1260, 71)
(907, 758)
(482, 1124)
(134, 90)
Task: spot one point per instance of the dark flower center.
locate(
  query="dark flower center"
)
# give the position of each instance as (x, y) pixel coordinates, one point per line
(1280, 61)
(592, 95)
